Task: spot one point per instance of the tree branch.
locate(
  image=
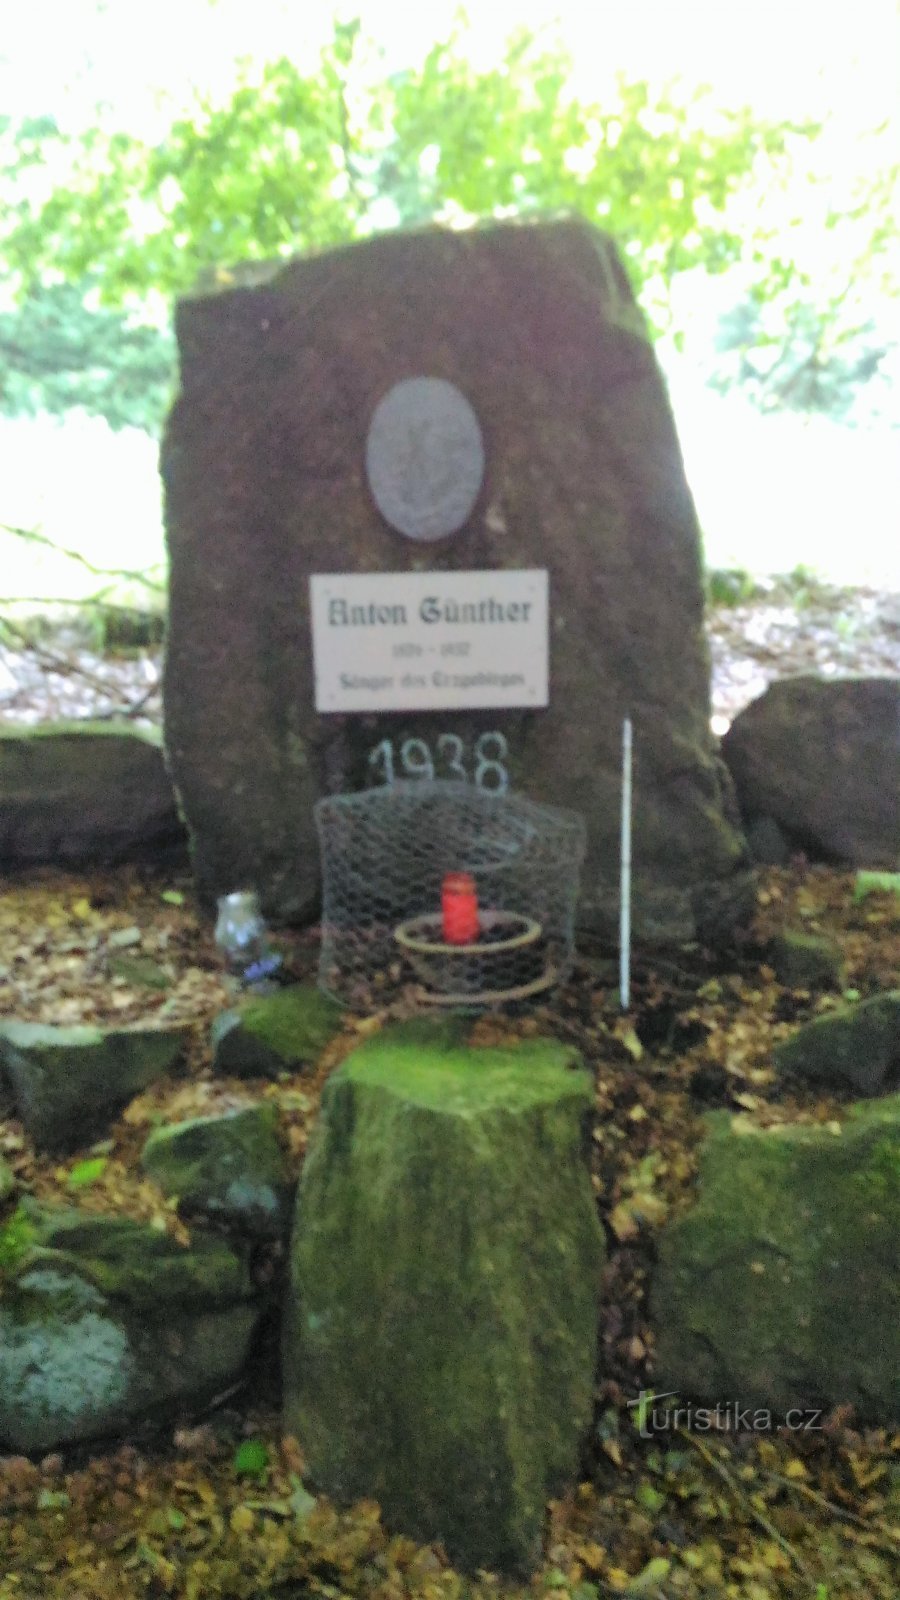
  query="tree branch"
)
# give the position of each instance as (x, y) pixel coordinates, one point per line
(33, 537)
(65, 667)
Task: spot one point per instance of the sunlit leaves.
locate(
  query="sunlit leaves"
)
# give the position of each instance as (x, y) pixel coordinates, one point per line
(292, 163)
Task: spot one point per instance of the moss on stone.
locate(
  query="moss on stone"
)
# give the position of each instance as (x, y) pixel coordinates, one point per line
(17, 1235)
(130, 1262)
(70, 1083)
(466, 1082)
(297, 1022)
(806, 960)
(858, 1045)
(780, 1287)
(230, 1167)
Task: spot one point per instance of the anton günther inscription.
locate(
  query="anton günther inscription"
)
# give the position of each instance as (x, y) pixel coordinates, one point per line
(431, 609)
(430, 641)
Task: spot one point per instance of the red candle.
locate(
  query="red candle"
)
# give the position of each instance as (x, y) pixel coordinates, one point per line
(459, 908)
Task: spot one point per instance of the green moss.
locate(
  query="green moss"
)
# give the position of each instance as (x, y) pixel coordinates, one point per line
(463, 1081)
(17, 1235)
(781, 1282)
(128, 1261)
(296, 1023)
(441, 1340)
(880, 1180)
(230, 1166)
(857, 1045)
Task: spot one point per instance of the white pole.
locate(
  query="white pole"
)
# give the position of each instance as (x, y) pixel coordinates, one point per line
(625, 871)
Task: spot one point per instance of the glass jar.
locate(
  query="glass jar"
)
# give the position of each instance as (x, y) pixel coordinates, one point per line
(242, 937)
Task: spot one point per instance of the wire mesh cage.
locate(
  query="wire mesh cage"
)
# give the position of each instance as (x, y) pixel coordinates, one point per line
(387, 857)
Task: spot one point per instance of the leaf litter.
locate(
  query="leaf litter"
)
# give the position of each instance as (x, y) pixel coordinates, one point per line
(216, 1503)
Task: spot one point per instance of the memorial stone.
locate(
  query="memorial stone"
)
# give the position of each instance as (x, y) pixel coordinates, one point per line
(465, 440)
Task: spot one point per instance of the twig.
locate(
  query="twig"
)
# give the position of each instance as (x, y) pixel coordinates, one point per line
(66, 668)
(132, 708)
(89, 601)
(73, 555)
(829, 1505)
(758, 1516)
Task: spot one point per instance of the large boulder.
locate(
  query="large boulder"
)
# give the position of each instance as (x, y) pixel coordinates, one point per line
(80, 794)
(820, 758)
(229, 1168)
(68, 1084)
(441, 1327)
(104, 1320)
(265, 479)
(780, 1289)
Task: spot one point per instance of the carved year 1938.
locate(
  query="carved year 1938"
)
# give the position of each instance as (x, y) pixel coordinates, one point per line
(482, 763)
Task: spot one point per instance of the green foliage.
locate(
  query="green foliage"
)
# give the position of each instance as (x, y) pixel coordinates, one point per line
(875, 883)
(812, 326)
(295, 163)
(57, 352)
(17, 1235)
(730, 586)
(84, 1173)
(251, 1459)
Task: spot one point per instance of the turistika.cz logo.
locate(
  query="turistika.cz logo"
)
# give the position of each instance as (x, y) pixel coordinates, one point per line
(653, 1417)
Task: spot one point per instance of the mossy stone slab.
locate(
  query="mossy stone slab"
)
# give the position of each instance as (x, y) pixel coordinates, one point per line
(230, 1168)
(69, 1084)
(441, 1325)
(104, 1320)
(780, 1289)
(858, 1046)
(276, 1033)
(81, 794)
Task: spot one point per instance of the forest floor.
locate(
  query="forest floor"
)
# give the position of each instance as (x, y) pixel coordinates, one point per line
(175, 1510)
(182, 1508)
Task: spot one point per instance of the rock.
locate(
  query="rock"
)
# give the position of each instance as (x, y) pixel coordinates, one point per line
(7, 1180)
(274, 1033)
(768, 845)
(280, 378)
(81, 794)
(858, 1046)
(69, 1084)
(821, 758)
(807, 960)
(779, 1290)
(104, 1320)
(230, 1168)
(441, 1326)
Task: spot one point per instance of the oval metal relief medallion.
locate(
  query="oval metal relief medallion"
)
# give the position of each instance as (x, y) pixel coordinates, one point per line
(425, 458)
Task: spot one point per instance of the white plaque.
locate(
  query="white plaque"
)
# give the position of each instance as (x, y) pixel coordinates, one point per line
(429, 641)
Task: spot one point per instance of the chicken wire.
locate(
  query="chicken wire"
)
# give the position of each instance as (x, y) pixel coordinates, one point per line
(385, 853)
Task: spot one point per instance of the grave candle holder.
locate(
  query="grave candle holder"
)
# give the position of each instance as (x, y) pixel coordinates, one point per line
(445, 893)
(459, 908)
(506, 961)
